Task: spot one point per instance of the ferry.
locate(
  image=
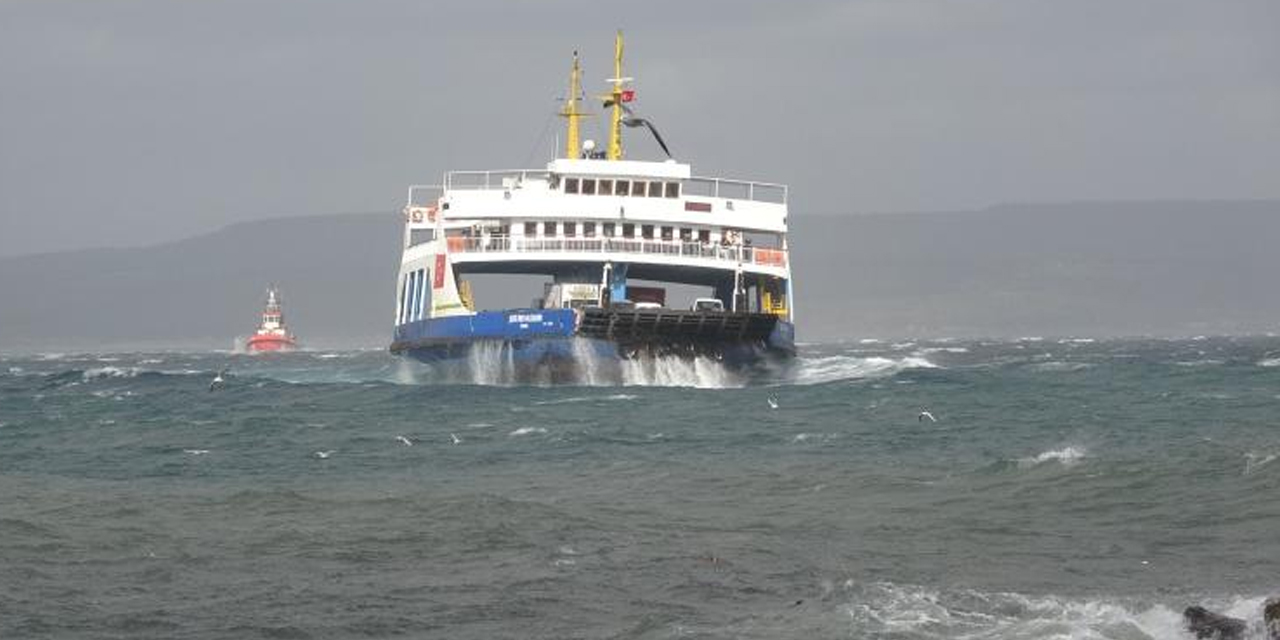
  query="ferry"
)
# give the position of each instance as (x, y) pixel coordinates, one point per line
(271, 335)
(611, 235)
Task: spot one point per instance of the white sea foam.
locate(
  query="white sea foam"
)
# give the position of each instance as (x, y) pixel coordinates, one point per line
(884, 609)
(1077, 341)
(843, 367)
(1269, 362)
(1067, 456)
(928, 350)
(576, 399)
(1208, 362)
(110, 372)
(525, 431)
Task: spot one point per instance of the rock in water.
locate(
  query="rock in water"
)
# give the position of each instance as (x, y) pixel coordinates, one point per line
(1213, 626)
(1271, 618)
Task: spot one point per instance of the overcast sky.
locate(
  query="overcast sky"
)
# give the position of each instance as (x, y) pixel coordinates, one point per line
(131, 122)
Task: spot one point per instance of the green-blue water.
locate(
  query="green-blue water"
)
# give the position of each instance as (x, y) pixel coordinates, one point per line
(1067, 489)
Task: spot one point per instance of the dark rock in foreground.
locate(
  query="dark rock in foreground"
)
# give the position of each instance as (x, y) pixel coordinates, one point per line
(1271, 618)
(1209, 625)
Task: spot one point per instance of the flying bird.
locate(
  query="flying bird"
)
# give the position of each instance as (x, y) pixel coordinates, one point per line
(405, 441)
(925, 415)
(456, 439)
(773, 403)
(324, 454)
(218, 380)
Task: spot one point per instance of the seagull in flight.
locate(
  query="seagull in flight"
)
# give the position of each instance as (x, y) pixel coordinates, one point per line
(324, 454)
(456, 439)
(196, 452)
(218, 380)
(925, 415)
(773, 403)
(405, 441)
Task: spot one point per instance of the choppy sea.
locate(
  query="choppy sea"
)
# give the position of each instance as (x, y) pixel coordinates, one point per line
(1056, 488)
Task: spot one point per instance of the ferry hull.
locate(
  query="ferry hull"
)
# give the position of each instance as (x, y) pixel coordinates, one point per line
(560, 339)
(261, 344)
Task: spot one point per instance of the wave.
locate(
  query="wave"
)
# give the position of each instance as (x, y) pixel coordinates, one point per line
(1269, 362)
(1067, 456)
(889, 610)
(1056, 366)
(575, 399)
(826, 369)
(525, 431)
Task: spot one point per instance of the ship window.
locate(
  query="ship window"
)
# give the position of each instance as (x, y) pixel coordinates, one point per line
(588, 187)
(413, 294)
(610, 230)
(686, 234)
(570, 229)
(422, 281)
(404, 297)
(530, 229)
(624, 188)
(588, 229)
(673, 189)
(646, 231)
(549, 229)
(570, 185)
(667, 232)
(628, 230)
(704, 235)
(655, 189)
(638, 187)
(606, 187)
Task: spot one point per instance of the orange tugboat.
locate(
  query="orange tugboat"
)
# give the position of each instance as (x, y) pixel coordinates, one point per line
(272, 334)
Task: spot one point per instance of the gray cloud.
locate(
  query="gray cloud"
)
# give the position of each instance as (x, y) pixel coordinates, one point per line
(127, 122)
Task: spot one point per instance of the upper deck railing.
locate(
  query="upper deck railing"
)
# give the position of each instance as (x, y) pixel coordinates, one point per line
(768, 192)
(765, 256)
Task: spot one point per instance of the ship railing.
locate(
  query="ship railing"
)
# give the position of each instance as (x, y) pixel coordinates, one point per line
(423, 195)
(766, 256)
(736, 189)
(486, 180)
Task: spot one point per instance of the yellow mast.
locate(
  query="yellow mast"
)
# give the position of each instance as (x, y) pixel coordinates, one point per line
(615, 116)
(571, 145)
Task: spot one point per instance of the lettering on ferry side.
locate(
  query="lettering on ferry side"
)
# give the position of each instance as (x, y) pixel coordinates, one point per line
(524, 318)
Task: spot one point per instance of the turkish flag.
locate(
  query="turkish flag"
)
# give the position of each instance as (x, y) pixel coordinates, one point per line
(628, 95)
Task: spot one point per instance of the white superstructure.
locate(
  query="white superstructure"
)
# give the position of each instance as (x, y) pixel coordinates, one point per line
(596, 218)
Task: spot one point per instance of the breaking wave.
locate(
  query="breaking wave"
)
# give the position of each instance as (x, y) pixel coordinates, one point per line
(911, 612)
(1067, 456)
(825, 369)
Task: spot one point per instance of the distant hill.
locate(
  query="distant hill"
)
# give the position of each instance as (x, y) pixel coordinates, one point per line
(1084, 269)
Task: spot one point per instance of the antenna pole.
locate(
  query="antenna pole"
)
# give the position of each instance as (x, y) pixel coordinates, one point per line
(571, 112)
(615, 117)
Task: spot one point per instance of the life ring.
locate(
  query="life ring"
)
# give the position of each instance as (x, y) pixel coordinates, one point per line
(417, 215)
